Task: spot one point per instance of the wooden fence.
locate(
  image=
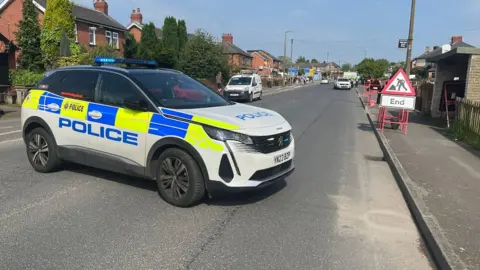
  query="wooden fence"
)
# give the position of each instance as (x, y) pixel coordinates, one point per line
(468, 114)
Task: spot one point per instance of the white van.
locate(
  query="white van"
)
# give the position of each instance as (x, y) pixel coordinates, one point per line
(244, 87)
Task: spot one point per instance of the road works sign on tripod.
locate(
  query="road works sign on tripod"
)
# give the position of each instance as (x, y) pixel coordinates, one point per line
(398, 94)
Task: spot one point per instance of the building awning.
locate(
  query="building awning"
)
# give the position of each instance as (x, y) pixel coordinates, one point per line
(453, 52)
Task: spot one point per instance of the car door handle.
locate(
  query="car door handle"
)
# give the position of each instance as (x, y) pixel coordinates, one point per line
(95, 114)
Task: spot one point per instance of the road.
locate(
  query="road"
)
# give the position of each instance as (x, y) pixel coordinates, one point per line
(341, 209)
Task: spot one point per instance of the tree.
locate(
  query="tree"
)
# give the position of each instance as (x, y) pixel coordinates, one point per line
(314, 61)
(28, 37)
(370, 67)
(149, 43)
(287, 62)
(203, 57)
(182, 35)
(130, 47)
(346, 67)
(170, 38)
(301, 59)
(58, 19)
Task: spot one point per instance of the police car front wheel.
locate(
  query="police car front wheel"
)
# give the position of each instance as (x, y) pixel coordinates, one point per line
(41, 151)
(179, 178)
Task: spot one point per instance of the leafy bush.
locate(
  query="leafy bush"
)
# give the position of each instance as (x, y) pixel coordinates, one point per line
(74, 60)
(25, 77)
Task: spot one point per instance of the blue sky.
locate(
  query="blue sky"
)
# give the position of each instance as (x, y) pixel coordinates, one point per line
(342, 28)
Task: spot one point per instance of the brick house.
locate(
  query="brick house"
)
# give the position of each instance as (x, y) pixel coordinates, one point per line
(136, 25)
(260, 63)
(272, 65)
(237, 58)
(93, 26)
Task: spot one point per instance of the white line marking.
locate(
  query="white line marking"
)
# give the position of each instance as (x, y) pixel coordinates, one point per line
(10, 141)
(11, 132)
(6, 127)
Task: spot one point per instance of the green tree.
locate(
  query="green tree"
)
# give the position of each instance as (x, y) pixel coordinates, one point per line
(149, 43)
(203, 57)
(28, 37)
(58, 19)
(314, 61)
(370, 67)
(301, 59)
(130, 46)
(182, 35)
(287, 62)
(170, 38)
(346, 67)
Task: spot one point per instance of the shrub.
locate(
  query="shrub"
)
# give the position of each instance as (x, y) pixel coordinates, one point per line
(25, 77)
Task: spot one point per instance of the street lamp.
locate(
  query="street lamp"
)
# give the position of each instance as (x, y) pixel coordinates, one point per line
(365, 53)
(285, 48)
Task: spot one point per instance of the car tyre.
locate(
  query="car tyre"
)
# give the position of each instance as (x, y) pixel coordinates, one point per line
(179, 178)
(42, 151)
(260, 96)
(250, 97)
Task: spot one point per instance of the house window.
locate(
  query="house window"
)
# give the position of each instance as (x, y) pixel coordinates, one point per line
(108, 37)
(91, 33)
(115, 42)
(76, 33)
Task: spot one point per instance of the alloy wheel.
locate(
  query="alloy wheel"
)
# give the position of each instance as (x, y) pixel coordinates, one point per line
(174, 178)
(38, 148)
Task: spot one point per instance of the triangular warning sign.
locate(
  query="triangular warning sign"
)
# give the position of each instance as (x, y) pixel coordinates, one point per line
(399, 84)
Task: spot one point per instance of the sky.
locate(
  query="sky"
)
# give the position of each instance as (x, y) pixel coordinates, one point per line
(341, 29)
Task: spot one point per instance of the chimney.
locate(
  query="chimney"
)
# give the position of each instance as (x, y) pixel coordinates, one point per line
(427, 49)
(136, 16)
(227, 38)
(435, 47)
(456, 39)
(101, 5)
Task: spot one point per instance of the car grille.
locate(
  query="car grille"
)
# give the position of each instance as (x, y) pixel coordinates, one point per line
(263, 174)
(272, 143)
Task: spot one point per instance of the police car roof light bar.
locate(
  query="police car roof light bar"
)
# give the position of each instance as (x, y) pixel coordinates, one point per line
(137, 62)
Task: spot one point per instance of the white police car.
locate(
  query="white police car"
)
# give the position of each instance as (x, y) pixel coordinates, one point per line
(154, 123)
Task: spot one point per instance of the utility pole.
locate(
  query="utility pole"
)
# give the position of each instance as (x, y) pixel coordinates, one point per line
(291, 51)
(285, 49)
(410, 38)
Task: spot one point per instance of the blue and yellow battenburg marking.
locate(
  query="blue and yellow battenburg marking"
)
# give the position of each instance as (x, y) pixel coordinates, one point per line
(73, 111)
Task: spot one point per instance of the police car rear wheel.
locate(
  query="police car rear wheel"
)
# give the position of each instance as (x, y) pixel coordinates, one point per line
(179, 178)
(41, 151)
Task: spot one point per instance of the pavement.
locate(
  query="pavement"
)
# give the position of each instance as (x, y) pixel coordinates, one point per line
(446, 175)
(341, 209)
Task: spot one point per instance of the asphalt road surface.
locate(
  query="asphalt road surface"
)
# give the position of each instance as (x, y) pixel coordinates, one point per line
(341, 209)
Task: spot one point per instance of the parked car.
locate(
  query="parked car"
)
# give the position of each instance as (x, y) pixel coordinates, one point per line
(244, 87)
(324, 81)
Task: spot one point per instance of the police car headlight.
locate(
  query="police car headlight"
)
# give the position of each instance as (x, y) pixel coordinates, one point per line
(225, 135)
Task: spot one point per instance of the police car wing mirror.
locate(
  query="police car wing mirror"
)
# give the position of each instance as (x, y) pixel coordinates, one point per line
(136, 105)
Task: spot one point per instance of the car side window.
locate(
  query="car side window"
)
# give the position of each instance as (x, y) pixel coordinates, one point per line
(115, 89)
(78, 84)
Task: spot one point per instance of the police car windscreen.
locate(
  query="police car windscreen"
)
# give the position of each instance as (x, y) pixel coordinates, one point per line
(178, 91)
(240, 81)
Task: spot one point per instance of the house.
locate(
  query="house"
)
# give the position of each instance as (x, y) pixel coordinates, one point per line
(136, 25)
(237, 58)
(421, 61)
(272, 65)
(330, 67)
(93, 26)
(260, 63)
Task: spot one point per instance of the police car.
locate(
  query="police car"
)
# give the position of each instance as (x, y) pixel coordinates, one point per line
(154, 123)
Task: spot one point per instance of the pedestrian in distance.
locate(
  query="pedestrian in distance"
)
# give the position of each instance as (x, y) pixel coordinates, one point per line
(219, 81)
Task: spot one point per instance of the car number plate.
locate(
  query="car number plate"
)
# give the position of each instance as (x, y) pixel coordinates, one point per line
(234, 95)
(281, 158)
(376, 88)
